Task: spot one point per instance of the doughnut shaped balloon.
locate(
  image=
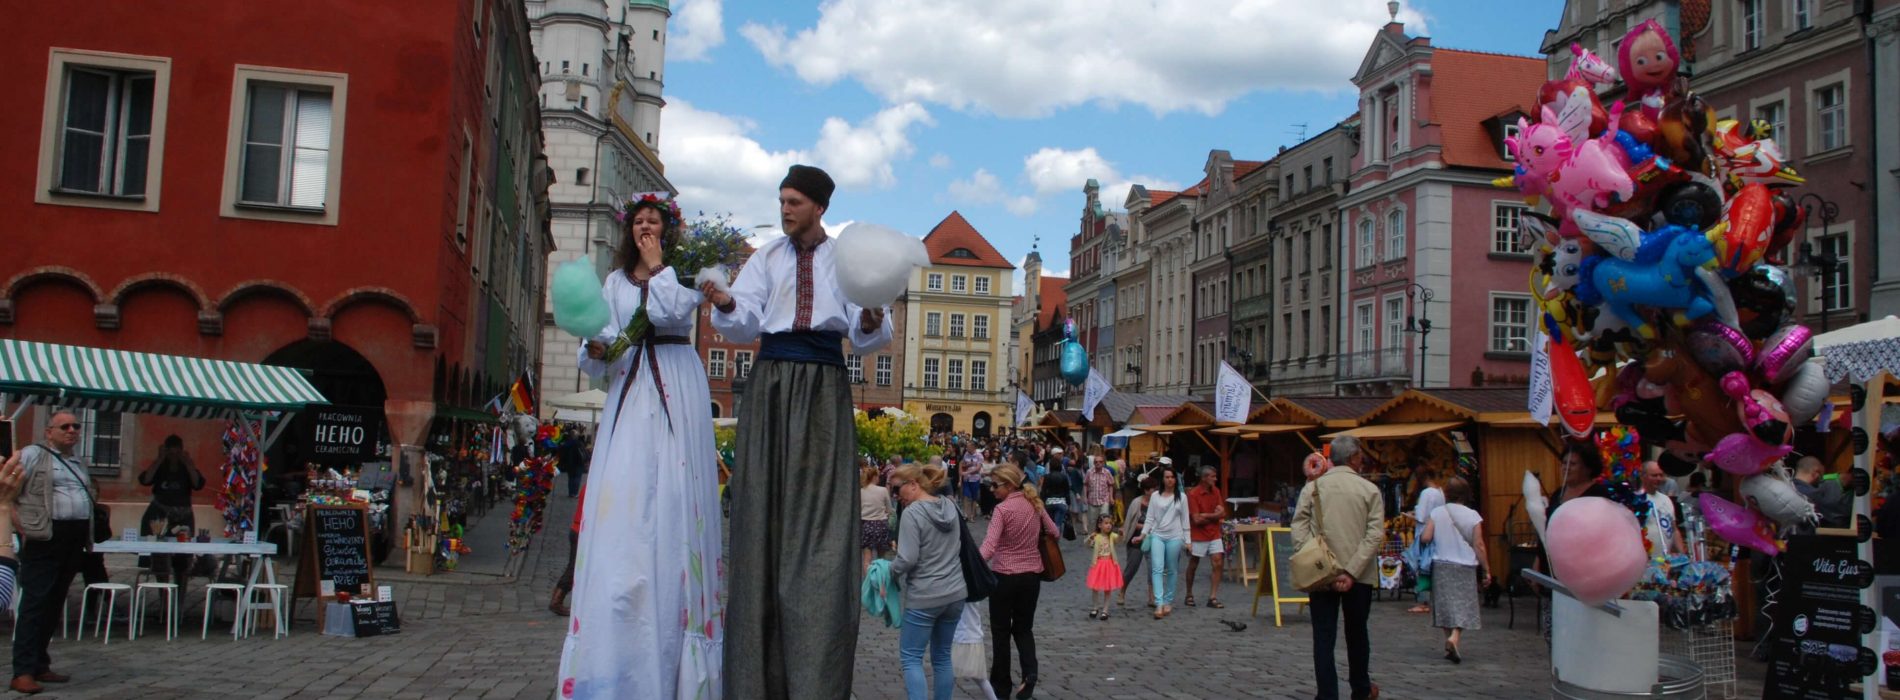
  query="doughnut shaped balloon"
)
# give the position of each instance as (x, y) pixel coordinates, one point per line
(1719, 348)
(1784, 351)
(1596, 548)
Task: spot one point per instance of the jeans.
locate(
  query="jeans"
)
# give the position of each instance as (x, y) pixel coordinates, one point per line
(1164, 569)
(1013, 619)
(936, 627)
(1325, 606)
(1058, 512)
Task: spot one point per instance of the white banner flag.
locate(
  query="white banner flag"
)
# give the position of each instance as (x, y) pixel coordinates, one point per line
(1542, 393)
(1023, 407)
(1233, 396)
(1093, 392)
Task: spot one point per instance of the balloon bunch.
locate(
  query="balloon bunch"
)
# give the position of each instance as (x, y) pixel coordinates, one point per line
(534, 480)
(1075, 358)
(243, 467)
(1659, 255)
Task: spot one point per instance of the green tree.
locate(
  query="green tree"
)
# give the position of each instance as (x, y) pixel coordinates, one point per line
(885, 436)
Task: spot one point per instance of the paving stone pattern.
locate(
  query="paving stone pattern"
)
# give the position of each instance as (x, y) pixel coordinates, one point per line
(474, 636)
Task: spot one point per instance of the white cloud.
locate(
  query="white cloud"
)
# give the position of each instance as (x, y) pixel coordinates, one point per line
(1055, 170)
(861, 155)
(698, 27)
(1024, 59)
(939, 160)
(719, 166)
(984, 188)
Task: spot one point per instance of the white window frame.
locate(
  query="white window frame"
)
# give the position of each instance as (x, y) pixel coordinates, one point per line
(52, 119)
(1507, 234)
(979, 375)
(1800, 15)
(959, 284)
(1750, 34)
(932, 371)
(882, 370)
(716, 363)
(1365, 327)
(980, 326)
(1844, 80)
(1396, 243)
(933, 324)
(957, 325)
(1779, 100)
(1510, 132)
(338, 86)
(1494, 325)
(90, 435)
(741, 364)
(933, 282)
(982, 285)
(1392, 308)
(953, 374)
(855, 364)
(1816, 289)
(1368, 241)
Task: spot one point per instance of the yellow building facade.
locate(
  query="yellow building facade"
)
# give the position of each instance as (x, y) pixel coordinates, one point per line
(957, 325)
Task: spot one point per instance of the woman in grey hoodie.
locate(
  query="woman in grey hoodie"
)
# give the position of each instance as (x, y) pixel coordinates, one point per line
(930, 574)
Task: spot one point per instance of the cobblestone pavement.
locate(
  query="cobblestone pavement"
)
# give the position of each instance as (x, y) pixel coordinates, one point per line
(472, 636)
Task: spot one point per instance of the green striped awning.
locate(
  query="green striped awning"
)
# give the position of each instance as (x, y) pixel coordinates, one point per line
(139, 382)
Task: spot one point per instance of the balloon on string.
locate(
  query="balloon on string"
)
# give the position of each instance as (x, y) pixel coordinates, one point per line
(1596, 548)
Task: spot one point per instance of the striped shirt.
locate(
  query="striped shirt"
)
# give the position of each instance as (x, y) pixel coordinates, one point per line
(1011, 543)
(9, 572)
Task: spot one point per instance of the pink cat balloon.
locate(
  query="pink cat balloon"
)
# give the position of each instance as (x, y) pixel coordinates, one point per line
(1554, 160)
(1738, 525)
(1596, 548)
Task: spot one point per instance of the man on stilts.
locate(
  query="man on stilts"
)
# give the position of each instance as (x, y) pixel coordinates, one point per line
(791, 615)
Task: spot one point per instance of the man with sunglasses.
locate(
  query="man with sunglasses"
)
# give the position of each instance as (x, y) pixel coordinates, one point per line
(55, 517)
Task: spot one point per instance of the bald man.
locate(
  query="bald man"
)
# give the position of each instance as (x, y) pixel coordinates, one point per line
(1665, 538)
(1829, 496)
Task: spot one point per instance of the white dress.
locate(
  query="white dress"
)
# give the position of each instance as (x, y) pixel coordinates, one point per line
(649, 574)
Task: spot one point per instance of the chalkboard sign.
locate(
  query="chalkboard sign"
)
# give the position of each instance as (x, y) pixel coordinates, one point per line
(372, 619)
(1820, 622)
(340, 546)
(1276, 573)
(340, 433)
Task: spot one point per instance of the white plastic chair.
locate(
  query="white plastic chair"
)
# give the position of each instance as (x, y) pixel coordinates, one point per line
(237, 605)
(110, 591)
(146, 591)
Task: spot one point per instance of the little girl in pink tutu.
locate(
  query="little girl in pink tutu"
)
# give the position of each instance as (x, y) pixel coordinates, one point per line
(1105, 575)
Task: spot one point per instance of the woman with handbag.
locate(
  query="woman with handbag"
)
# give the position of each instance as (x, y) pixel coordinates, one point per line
(1458, 533)
(1131, 529)
(1013, 547)
(1163, 532)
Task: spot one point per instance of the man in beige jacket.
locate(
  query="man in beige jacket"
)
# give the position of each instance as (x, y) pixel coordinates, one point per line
(1352, 523)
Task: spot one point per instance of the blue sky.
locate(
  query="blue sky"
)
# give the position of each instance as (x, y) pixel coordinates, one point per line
(1001, 109)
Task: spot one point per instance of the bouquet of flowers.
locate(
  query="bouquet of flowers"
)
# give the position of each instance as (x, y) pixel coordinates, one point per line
(705, 249)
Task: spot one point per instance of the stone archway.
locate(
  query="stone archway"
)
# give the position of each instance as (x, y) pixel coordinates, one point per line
(980, 425)
(346, 378)
(942, 423)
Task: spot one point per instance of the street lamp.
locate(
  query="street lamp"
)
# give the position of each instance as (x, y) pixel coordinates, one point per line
(1822, 264)
(1421, 323)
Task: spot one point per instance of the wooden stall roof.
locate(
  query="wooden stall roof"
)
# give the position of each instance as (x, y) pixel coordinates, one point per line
(1394, 431)
(1523, 419)
(1327, 411)
(1152, 415)
(1191, 413)
(1169, 429)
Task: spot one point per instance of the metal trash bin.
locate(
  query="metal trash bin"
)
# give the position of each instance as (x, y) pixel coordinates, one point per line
(1680, 680)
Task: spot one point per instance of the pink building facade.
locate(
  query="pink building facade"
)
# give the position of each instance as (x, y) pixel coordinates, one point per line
(1426, 237)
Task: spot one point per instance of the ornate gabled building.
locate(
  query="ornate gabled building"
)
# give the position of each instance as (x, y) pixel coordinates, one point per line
(955, 348)
(1225, 208)
(1167, 221)
(1300, 274)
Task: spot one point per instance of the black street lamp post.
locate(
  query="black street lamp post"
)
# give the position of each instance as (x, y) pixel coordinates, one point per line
(1420, 323)
(1820, 264)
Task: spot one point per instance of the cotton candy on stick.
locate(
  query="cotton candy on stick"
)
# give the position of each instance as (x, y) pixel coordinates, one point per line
(874, 263)
(579, 307)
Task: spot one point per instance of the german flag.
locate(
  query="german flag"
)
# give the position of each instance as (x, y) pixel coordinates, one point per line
(522, 394)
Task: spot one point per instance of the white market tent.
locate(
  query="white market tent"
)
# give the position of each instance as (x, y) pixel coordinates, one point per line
(582, 407)
(70, 376)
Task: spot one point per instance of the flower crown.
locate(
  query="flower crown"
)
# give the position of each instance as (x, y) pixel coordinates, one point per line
(670, 210)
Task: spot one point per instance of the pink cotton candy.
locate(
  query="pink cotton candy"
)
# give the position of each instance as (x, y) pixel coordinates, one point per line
(1596, 548)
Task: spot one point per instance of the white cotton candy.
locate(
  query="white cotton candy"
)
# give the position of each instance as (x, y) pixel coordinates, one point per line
(715, 275)
(874, 263)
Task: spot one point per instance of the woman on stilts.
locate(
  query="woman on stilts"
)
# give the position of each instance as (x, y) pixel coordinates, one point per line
(647, 619)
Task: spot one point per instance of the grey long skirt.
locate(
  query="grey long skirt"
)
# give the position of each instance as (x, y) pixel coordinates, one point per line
(1455, 596)
(792, 608)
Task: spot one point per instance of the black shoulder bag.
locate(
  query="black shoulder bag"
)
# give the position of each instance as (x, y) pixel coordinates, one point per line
(978, 580)
(101, 518)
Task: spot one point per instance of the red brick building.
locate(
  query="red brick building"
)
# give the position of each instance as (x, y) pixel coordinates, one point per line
(353, 188)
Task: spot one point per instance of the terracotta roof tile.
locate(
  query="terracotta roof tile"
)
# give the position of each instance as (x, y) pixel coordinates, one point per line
(1053, 300)
(1158, 197)
(1469, 87)
(955, 233)
(1243, 168)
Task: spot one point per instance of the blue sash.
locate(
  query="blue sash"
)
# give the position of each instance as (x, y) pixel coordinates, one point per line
(818, 347)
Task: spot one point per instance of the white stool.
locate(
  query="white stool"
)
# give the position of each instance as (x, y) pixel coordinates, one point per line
(139, 598)
(111, 593)
(237, 604)
(276, 606)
